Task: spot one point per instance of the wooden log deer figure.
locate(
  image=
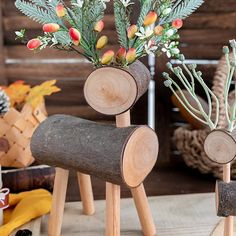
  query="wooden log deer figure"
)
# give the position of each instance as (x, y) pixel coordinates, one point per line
(220, 144)
(121, 154)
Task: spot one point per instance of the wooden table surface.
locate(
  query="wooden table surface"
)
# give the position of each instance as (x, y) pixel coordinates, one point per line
(179, 215)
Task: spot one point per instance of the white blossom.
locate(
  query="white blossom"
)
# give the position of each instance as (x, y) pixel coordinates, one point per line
(171, 49)
(167, 11)
(144, 33)
(170, 32)
(126, 3)
(150, 48)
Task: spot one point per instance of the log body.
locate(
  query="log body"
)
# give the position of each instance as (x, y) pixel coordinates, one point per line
(113, 91)
(226, 198)
(116, 155)
(220, 146)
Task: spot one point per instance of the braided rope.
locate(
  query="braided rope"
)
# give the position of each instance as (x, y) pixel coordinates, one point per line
(190, 142)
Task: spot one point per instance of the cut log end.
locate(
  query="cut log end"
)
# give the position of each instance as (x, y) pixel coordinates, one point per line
(113, 91)
(220, 146)
(110, 90)
(140, 156)
(226, 198)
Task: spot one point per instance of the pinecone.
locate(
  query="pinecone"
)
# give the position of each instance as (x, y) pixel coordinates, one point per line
(4, 102)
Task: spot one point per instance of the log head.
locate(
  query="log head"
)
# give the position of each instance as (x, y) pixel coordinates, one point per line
(220, 146)
(112, 91)
(140, 156)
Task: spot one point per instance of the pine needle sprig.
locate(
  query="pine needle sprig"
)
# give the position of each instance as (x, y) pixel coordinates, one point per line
(122, 22)
(36, 13)
(183, 9)
(40, 3)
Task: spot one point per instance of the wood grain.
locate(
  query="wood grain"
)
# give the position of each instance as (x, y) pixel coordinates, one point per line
(58, 202)
(103, 151)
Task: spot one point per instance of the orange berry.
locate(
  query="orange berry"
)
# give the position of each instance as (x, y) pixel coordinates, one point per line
(150, 18)
(60, 10)
(51, 28)
(177, 24)
(132, 30)
(107, 57)
(120, 55)
(102, 42)
(99, 26)
(34, 44)
(158, 30)
(131, 55)
(75, 35)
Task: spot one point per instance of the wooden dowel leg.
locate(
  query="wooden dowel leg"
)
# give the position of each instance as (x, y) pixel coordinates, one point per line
(86, 193)
(112, 210)
(229, 221)
(58, 202)
(144, 211)
(229, 226)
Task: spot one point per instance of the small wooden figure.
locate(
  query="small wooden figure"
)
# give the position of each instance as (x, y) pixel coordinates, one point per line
(220, 144)
(121, 154)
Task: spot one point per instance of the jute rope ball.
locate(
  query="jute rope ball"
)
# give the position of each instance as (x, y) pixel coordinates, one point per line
(190, 142)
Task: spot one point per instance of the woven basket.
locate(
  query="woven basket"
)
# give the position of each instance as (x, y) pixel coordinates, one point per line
(16, 129)
(190, 142)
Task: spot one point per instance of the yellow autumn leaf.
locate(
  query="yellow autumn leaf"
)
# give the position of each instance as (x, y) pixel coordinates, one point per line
(17, 92)
(37, 93)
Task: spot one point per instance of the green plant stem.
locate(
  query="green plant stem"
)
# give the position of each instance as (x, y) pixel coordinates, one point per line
(184, 105)
(190, 74)
(184, 98)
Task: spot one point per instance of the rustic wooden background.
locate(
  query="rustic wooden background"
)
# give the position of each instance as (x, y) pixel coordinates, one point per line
(202, 37)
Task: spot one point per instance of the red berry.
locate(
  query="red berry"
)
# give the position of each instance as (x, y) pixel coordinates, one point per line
(120, 55)
(51, 28)
(60, 10)
(99, 26)
(150, 18)
(74, 34)
(34, 44)
(177, 24)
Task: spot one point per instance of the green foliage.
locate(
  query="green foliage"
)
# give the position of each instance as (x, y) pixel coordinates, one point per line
(37, 13)
(122, 23)
(83, 15)
(183, 9)
(62, 38)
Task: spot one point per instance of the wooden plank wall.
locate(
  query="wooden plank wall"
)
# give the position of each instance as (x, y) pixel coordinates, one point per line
(202, 38)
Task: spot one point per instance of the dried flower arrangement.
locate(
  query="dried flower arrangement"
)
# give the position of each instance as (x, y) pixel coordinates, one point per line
(78, 27)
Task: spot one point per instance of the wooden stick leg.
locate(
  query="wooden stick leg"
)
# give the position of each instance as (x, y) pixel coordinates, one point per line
(112, 210)
(86, 193)
(58, 202)
(144, 211)
(229, 226)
